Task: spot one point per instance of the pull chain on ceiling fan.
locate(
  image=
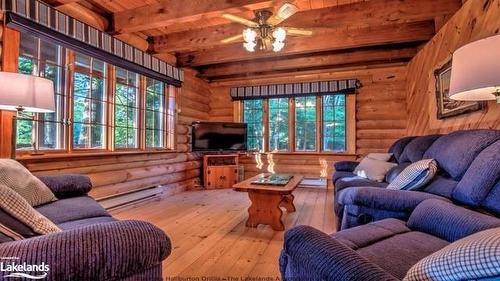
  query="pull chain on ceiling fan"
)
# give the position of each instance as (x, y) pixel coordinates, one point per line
(263, 32)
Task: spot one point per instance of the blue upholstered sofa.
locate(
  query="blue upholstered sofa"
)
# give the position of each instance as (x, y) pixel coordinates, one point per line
(93, 245)
(468, 175)
(382, 250)
(407, 225)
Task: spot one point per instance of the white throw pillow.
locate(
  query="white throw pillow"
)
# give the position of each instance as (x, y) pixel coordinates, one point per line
(380, 156)
(374, 170)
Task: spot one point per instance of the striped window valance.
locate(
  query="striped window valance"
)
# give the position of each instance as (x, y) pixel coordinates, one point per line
(51, 25)
(348, 86)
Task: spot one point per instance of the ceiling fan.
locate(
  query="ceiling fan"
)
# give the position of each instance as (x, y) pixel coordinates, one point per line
(263, 32)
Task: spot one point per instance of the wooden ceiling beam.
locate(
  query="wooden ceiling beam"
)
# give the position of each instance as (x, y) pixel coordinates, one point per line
(361, 14)
(339, 39)
(177, 12)
(313, 61)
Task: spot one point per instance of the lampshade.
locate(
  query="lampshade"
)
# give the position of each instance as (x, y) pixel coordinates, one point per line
(26, 92)
(475, 72)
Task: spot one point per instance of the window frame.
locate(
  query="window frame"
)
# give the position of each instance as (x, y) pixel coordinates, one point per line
(350, 126)
(65, 136)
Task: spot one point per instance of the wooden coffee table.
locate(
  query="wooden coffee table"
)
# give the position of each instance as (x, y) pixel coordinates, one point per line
(266, 201)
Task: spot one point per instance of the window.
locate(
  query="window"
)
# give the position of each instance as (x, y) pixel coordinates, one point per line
(98, 106)
(305, 123)
(89, 103)
(334, 123)
(300, 124)
(278, 124)
(42, 130)
(253, 116)
(155, 113)
(126, 109)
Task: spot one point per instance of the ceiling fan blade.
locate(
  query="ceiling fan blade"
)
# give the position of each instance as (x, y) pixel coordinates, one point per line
(284, 12)
(232, 39)
(292, 31)
(241, 20)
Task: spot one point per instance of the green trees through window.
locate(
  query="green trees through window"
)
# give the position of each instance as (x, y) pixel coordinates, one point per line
(253, 115)
(155, 113)
(126, 108)
(278, 124)
(329, 130)
(305, 123)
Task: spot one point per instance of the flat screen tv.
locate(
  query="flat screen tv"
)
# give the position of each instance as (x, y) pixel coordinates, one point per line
(218, 136)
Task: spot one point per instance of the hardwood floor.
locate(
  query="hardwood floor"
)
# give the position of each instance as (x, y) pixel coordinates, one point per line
(209, 237)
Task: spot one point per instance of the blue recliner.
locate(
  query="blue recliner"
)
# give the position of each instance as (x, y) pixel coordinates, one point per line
(469, 165)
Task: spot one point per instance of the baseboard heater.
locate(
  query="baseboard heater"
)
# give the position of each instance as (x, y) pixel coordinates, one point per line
(127, 199)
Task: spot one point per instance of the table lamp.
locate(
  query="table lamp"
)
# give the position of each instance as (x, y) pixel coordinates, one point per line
(475, 74)
(21, 92)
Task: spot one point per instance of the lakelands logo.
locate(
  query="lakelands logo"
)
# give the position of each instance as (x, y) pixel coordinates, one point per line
(24, 270)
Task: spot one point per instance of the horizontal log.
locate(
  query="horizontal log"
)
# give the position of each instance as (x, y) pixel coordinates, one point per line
(381, 124)
(380, 133)
(126, 187)
(342, 38)
(321, 60)
(120, 176)
(375, 143)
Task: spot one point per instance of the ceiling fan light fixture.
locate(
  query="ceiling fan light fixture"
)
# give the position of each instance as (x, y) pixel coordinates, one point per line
(250, 46)
(279, 34)
(249, 35)
(278, 45)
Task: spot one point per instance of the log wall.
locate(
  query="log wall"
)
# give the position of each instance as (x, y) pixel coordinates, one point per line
(380, 119)
(475, 20)
(113, 174)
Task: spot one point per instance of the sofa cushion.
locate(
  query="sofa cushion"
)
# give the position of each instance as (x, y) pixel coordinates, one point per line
(343, 183)
(373, 169)
(394, 171)
(398, 146)
(85, 222)
(398, 253)
(482, 175)
(342, 174)
(490, 203)
(456, 151)
(415, 175)
(471, 258)
(380, 156)
(68, 185)
(415, 149)
(441, 185)
(18, 178)
(20, 218)
(359, 237)
(448, 221)
(72, 209)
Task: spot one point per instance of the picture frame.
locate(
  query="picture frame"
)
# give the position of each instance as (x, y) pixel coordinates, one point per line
(447, 107)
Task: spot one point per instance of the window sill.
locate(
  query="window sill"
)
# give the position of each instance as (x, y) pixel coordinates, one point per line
(301, 153)
(26, 156)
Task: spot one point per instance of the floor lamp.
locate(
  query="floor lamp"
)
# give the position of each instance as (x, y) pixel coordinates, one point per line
(25, 93)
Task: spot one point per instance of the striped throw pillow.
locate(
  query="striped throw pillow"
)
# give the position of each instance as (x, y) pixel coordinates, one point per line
(18, 178)
(415, 176)
(471, 258)
(19, 219)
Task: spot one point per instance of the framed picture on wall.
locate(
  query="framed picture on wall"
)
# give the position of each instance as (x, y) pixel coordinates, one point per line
(447, 107)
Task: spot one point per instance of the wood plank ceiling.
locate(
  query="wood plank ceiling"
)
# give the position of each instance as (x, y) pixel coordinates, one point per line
(348, 33)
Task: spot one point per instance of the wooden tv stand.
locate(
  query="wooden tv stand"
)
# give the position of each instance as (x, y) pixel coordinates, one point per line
(220, 170)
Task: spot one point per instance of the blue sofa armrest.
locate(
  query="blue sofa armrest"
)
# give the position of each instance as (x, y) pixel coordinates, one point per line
(66, 186)
(107, 251)
(448, 221)
(310, 254)
(345, 166)
(384, 199)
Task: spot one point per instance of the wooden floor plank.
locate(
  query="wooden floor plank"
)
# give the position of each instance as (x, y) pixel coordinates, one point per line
(209, 236)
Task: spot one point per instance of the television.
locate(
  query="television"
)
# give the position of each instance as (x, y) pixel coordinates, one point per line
(219, 136)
